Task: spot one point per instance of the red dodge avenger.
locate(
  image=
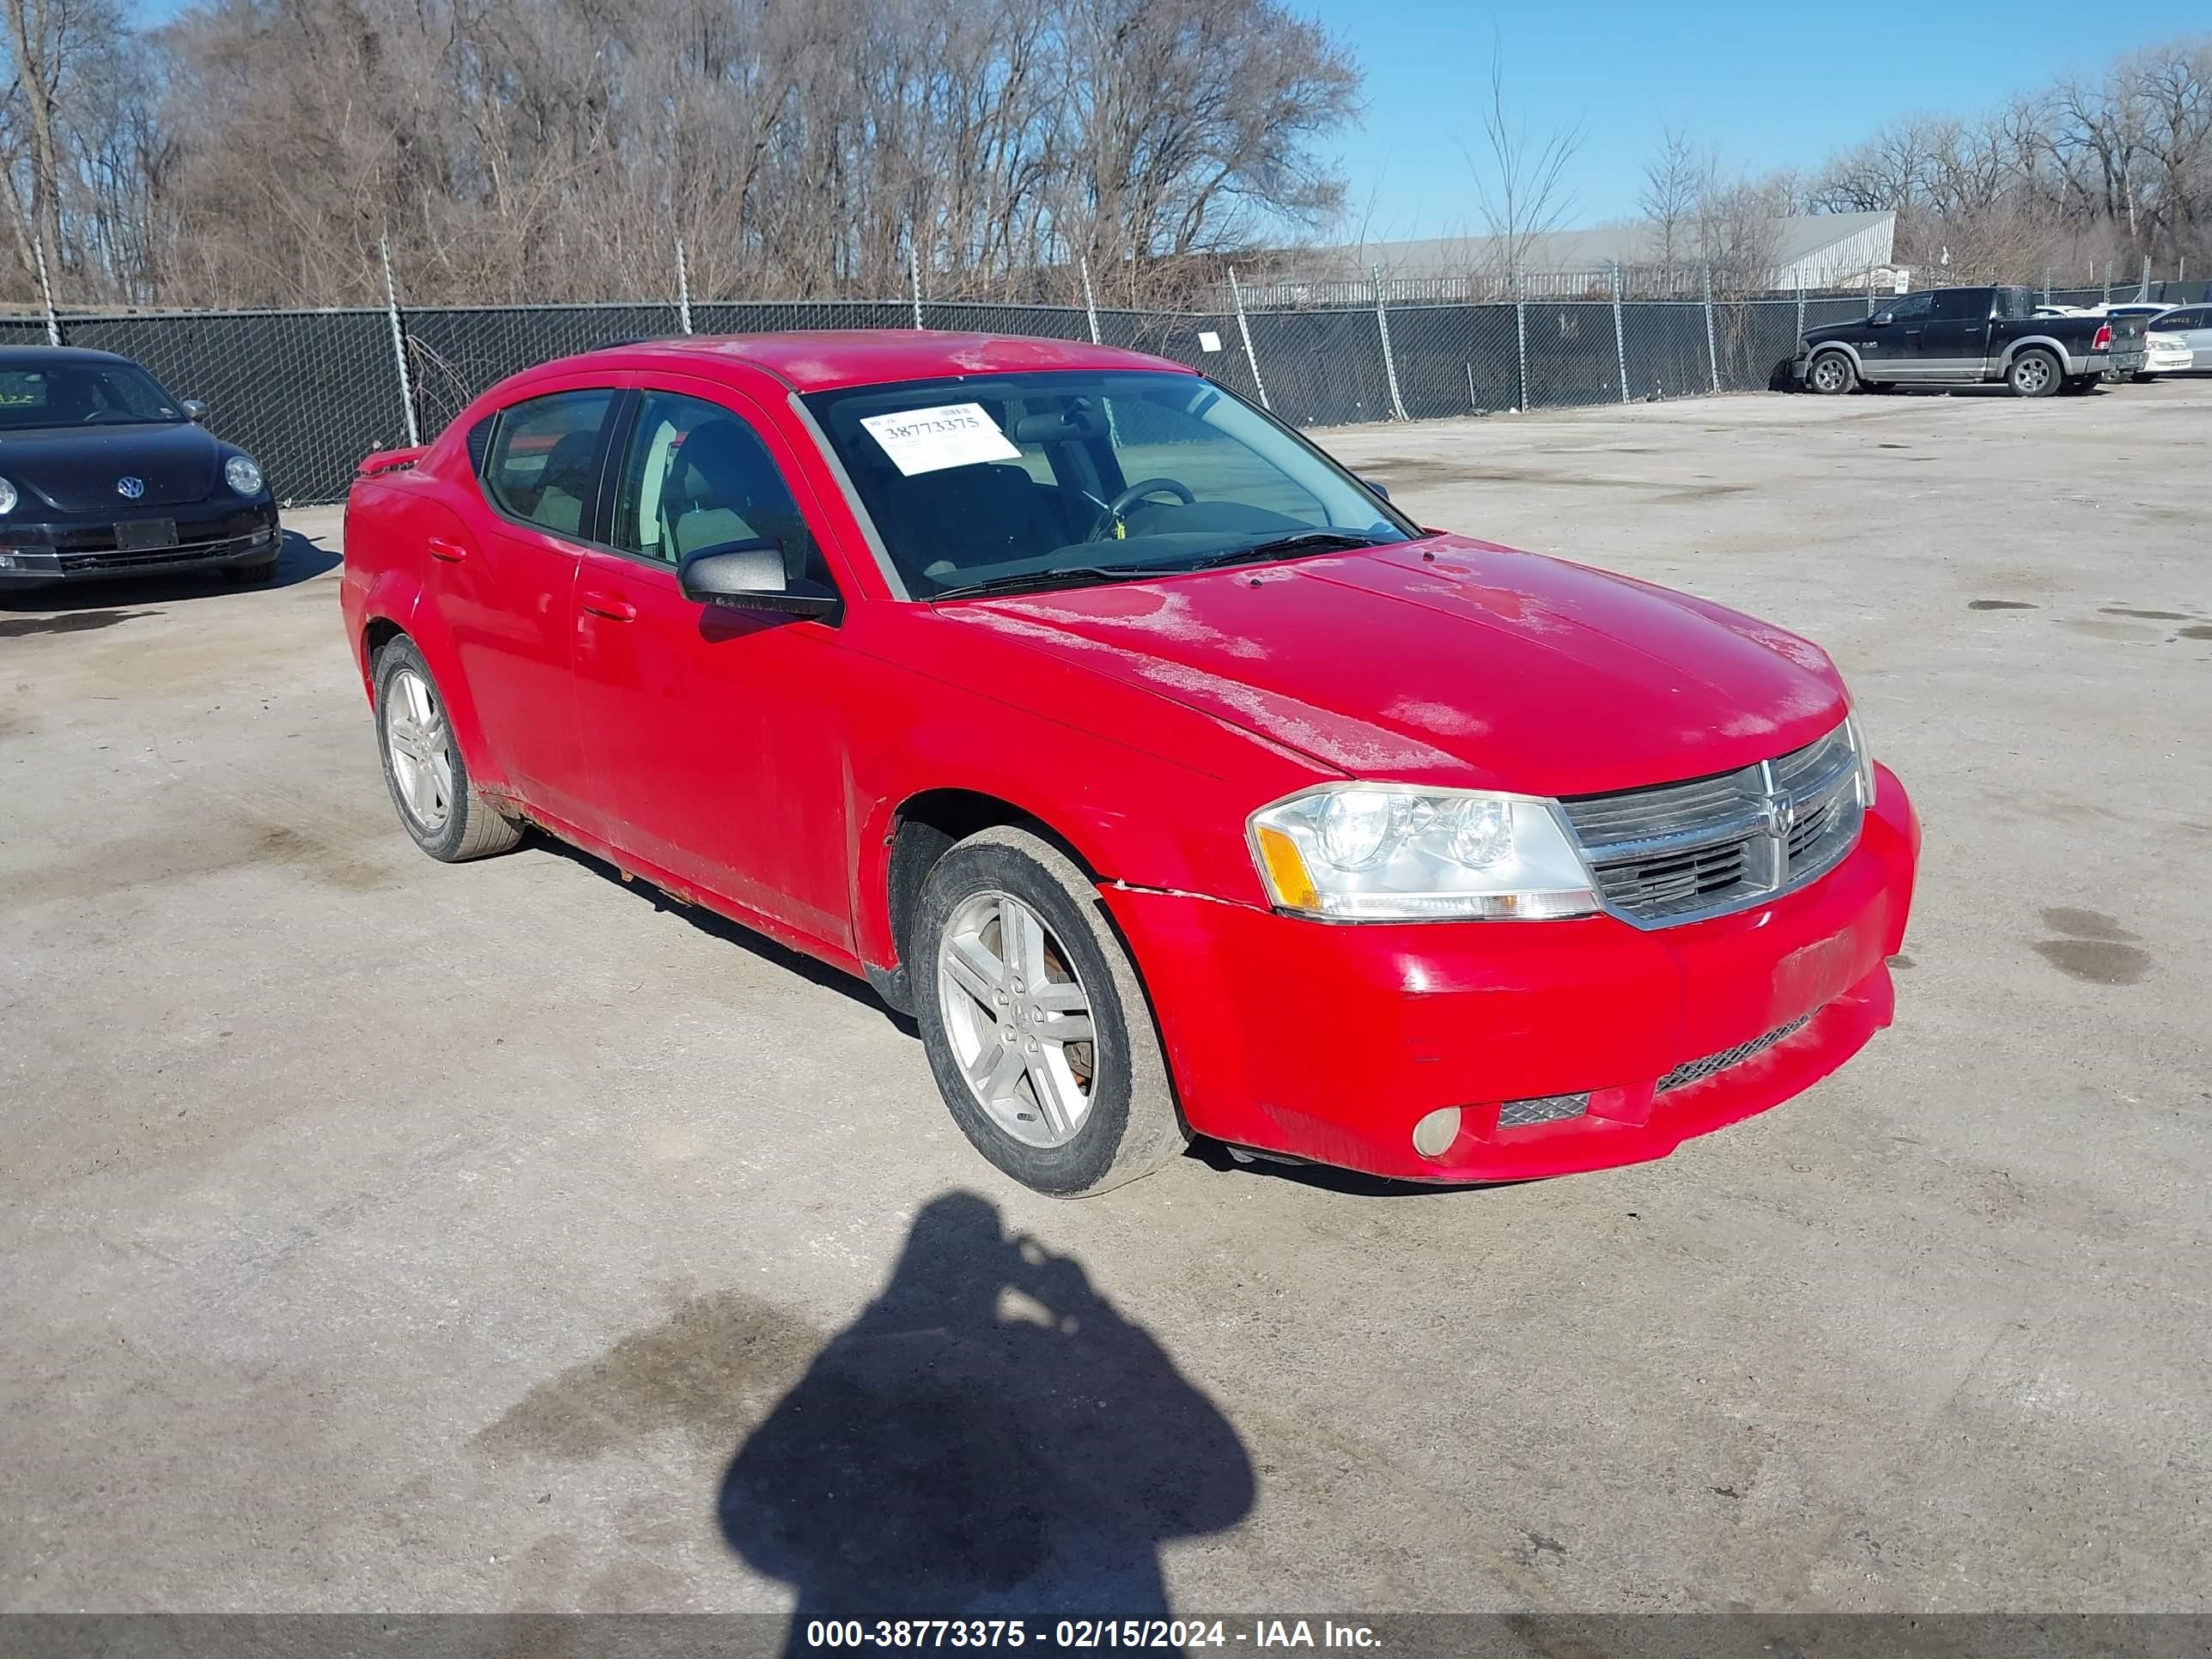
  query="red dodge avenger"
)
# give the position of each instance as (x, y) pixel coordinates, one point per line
(1174, 781)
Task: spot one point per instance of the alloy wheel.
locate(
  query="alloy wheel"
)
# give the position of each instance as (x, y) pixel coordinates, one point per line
(418, 741)
(1019, 1019)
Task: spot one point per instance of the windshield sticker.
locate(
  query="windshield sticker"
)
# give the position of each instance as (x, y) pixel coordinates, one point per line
(931, 439)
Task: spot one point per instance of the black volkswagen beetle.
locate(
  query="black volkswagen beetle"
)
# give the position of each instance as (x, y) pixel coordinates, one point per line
(103, 473)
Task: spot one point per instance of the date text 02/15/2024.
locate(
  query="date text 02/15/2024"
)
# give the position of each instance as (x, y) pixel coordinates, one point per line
(1171, 1634)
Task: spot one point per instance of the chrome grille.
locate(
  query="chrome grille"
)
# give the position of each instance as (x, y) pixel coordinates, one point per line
(1679, 851)
(1697, 1071)
(1541, 1109)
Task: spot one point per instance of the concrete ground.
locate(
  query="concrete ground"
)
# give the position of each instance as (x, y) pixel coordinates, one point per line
(381, 1235)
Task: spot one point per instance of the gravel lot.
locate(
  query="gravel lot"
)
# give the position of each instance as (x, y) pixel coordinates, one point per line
(380, 1235)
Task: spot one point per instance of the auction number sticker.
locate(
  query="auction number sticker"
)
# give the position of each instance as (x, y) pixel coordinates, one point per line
(931, 439)
(1179, 1635)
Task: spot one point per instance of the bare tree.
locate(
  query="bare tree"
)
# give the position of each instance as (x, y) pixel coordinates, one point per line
(1739, 232)
(1675, 180)
(1521, 185)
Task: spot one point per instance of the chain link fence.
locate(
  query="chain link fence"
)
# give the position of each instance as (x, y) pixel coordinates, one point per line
(310, 392)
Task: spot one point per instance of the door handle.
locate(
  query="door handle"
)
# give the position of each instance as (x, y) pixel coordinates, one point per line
(451, 552)
(607, 605)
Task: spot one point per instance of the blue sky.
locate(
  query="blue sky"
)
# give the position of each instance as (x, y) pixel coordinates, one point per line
(1770, 86)
(1773, 85)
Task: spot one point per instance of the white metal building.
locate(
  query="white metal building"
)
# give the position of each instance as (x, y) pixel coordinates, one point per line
(1811, 250)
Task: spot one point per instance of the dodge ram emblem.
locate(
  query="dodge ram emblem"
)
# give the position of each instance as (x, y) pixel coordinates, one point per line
(1778, 815)
(129, 488)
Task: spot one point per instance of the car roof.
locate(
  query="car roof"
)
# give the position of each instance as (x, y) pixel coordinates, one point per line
(825, 359)
(48, 356)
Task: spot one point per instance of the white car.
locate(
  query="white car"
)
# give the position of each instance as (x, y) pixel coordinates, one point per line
(2192, 326)
(2167, 354)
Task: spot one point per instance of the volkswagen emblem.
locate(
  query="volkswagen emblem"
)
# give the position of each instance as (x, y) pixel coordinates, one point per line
(129, 488)
(1778, 815)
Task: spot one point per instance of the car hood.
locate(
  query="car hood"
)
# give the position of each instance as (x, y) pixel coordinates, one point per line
(1843, 331)
(1453, 662)
(78, 469)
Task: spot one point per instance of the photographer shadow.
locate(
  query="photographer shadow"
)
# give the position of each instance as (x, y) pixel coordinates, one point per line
(989, 1439)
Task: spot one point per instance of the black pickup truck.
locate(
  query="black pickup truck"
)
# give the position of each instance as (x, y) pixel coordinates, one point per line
(1965, 335)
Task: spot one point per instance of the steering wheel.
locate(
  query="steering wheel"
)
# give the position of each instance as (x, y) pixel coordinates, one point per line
(1137, 492)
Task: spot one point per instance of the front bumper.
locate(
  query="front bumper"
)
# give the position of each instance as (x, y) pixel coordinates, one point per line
(1330, 1042)
(2177, 361)
(64, 550)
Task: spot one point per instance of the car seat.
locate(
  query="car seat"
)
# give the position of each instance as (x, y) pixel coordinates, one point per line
(723, 487)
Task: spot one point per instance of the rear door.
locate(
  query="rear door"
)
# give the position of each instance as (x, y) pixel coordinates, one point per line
(1957, 338)
(716, 736)
(1898, 341)
(505, 591)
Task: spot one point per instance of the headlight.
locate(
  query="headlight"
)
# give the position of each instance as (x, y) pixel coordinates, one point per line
(7, 496)
(1864, 756)
(1390, 853)
(244, 478)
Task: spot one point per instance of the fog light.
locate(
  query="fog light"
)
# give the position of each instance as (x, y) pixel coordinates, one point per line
(7, 560)
(1434, 1134)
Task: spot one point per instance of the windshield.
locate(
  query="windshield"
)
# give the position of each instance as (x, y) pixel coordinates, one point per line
(81, 394)
(1047, 479)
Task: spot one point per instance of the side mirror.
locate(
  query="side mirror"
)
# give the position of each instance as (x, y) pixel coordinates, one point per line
(195, 410)
(1378, 486)
(1882, 320)
(749, 575)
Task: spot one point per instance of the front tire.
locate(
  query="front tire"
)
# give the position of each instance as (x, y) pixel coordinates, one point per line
(1831, 374)
(438, 805)
(2034, 374)
(1036, 1027)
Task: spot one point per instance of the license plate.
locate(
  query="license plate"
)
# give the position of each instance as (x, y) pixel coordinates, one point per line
(140, 535)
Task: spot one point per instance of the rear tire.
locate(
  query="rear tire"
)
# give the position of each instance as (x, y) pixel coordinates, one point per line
(1067, 1116)
(438, 805)
(2034, 374)
(1831, 374)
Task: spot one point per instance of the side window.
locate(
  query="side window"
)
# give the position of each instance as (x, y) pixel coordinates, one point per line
(2185, 320)
(1964, 305)
(696, 476)
(541, 465)
(1912, 308)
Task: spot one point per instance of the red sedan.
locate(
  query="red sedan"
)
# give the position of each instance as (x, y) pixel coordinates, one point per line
(1173, 781)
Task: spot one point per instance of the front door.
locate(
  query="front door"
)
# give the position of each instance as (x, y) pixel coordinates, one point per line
(1897, 348)
(504, 592)
(716, 734)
